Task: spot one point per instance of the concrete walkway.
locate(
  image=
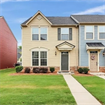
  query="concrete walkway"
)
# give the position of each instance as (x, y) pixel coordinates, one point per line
(100, 74)
(81, 95)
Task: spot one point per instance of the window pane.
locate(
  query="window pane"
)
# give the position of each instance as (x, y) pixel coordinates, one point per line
(101, 28)
(35, 30)
(89, 28)
(43, 62)
(35, 54)
(35, 37)
(43, 37)
(43, 30)
(35, 62)
(101, 35)
(89, 35)
(65, 37)
(43, 54)
(64, 30)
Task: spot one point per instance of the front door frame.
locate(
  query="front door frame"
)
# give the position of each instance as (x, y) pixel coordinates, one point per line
(89, 58)
(68, 60)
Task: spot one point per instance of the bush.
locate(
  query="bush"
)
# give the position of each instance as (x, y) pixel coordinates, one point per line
(27, 70)
(45, 70)
(18, 68)
(52, 69)
(85, 70)
(40, 70)
(80, 70)
(35, 70)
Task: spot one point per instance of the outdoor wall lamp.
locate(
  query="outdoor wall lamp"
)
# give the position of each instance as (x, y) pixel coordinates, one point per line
(104, 52)
(55, 53)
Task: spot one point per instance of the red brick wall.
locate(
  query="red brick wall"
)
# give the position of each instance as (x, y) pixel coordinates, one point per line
(8, 46)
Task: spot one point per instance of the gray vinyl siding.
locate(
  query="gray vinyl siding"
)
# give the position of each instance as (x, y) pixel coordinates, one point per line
(83, 55)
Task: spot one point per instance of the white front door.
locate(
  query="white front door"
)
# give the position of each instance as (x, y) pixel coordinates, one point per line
(93, 61)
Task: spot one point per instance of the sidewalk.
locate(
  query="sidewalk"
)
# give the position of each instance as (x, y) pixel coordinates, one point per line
(81, 95)
(100, 74)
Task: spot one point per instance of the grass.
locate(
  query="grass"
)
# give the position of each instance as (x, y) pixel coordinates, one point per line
(33, 89)
(95, 85)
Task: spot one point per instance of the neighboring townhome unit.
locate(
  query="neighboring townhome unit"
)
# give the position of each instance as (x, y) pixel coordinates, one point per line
(8, 46)
(50, 42)
(91, 41)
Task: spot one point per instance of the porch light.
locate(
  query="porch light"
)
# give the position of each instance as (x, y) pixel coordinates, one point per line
(55, 53)
(104, 52)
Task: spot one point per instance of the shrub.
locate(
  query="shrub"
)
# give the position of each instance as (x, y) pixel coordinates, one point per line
(35, 70)
(27, 70)
(18, 68)
(45, 70)
(52, 69)
(85, 70)
(40, 70)
(80, 70)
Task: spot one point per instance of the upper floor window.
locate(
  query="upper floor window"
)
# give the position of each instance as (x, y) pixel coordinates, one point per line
(35, 33)
(43, 33)
(101, 32)
(89, 32)
(39, 33)
(64, 33)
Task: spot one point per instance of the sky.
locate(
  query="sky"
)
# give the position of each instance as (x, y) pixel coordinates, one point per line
(17, 11)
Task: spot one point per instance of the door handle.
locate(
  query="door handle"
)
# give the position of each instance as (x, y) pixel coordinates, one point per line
(96, 63)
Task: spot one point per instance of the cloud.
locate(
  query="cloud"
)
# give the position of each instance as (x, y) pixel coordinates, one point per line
(90, 0)
(4, 1)
(99, 9)
(20, 20)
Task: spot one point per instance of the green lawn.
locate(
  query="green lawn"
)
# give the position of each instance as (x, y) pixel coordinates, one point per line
(33, 89)
(95, 85)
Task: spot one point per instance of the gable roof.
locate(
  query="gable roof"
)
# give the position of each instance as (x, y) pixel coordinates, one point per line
(53, 20)
(65, 42)
(89, 18)
(31, 18)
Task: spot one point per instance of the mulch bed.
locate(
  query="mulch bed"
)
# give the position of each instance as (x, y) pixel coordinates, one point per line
(49, 73)
(78, 74)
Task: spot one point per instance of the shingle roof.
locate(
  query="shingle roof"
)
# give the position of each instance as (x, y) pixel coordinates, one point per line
(89, 18)
(57, 21)
(96, 44)
(61, 20)
(26, 21)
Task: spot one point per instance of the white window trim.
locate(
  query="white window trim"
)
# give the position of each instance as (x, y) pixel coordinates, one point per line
(85, 32)
(61, 35)
(98, 34)
(39, 33)
(39, 50)
(64, 34)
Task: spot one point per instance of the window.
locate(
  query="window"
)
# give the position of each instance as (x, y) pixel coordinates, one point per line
(35, 58)
(89, 32)
(35, 33)
(43, 33)
(64, 33)
(39, 58)
(39, 33)
(43, 58)
(101, 32)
